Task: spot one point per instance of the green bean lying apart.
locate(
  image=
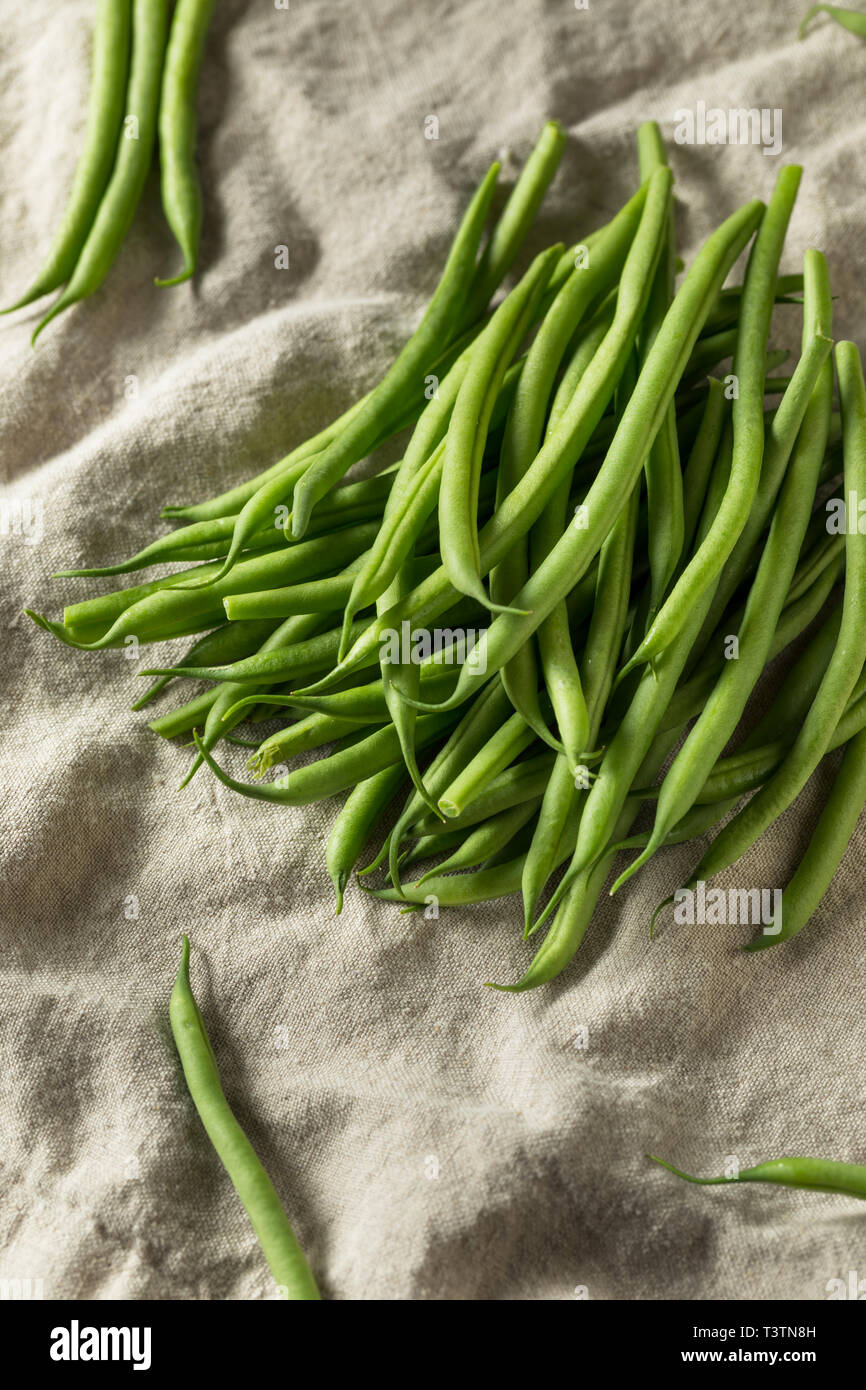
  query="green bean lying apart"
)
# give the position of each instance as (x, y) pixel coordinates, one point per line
(144, 79)
(240, 1160)
(813, 1174)
(584, 545)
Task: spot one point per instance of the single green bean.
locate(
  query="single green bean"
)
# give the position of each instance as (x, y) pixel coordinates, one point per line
(467, 432)
(278, 1241)
(334, 774)
(812, 1174)
(181, 192)
(515, 219)
(664, 480)
(361, 810)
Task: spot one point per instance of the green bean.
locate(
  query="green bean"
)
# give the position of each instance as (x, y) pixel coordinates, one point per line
(134, 150)
(520, 675)
(401, 679)
(723, 709)
(172, 610)
(482, 885)
(479, 723)
(228, 642)
(204, 540)
(186, 717)
(830, 839)
(407, 515)
(700, 461)
(525, 502)
(181, 193)
(361, 702)
(515, 220)
(413, 496)
(847, 660)
(361, 810)
(497, 754)
(748, 416)
(574, 913)
(333, 774)
(305, 736)
(467, 432)
(520, 782)
(403, 379)
(664, 481)
(558, 802)
(485, 840)
(277, 664)
(852, 20)
(562, 677)
(812, 1174)
(111, 44)
(316, 596)
(278, 1241)
(641, 421)
(781, 438)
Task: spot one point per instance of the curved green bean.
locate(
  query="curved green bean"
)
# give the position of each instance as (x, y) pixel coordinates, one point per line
(278, 1241)
(812, 1174)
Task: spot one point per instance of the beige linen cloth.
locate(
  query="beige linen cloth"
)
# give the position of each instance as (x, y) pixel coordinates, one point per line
(431, 1139)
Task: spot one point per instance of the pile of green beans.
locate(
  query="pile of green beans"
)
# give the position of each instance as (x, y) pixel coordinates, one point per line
(631, 543)
(146, 62)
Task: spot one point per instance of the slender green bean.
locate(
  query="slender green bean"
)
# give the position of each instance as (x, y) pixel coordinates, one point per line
(515, 220)
(278, 1241)
(181, 192)
(361, 811)
(812, 1174)
(467, 432)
